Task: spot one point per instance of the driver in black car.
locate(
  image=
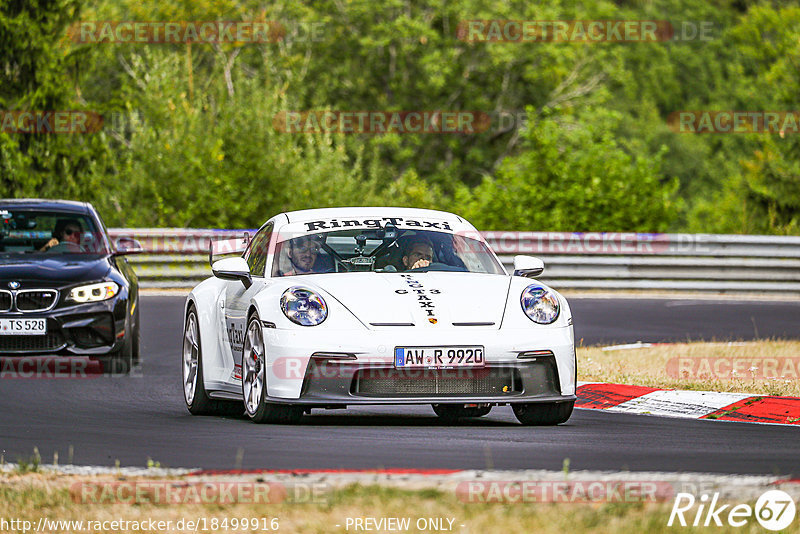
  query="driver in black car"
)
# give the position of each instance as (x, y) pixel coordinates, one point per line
(418, 254)
(67, 232)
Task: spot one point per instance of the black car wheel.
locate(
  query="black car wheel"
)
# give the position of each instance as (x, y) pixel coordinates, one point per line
(119, 362)
(543, 414)
(135, 352)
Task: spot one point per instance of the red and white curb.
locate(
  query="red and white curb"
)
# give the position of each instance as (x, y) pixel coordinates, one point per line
(741, 407)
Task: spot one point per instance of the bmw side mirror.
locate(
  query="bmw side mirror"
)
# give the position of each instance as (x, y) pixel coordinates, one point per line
(233, 269)
(126, 245)
(528, 266)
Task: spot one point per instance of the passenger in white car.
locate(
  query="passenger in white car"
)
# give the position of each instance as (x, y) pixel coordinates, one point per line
(418, 254)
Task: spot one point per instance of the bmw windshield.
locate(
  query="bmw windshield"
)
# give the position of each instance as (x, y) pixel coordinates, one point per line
(48, 232)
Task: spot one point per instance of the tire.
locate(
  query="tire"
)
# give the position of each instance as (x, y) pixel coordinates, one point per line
(543, 414)
(135, 351)
(454, 412)
(254, 381)
(119, 363)
(194, 391)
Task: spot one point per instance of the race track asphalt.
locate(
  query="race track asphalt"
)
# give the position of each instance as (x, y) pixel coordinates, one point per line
(133, 418)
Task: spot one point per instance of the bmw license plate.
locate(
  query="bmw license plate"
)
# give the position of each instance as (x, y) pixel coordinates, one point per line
(23, 327)
(438, 357)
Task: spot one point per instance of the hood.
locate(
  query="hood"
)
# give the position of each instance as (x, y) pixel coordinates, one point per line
(52, 271)
(397, 299)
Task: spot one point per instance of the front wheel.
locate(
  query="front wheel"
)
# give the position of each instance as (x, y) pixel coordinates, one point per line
(119, 363)
(543, 414)
(135, 332)
(254, 381)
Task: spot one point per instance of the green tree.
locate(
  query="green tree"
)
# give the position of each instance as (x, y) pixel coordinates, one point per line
(573, 176)
(33, 76)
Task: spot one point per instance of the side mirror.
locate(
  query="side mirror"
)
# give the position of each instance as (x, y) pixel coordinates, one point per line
(126, 245)
(233, 269)
(528, 266)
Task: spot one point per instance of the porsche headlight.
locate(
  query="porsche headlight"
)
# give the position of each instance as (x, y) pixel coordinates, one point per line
(303, 306)
(539, 304)
(94, 292)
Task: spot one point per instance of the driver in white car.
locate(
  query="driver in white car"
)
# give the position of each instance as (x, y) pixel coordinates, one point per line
(302, 253)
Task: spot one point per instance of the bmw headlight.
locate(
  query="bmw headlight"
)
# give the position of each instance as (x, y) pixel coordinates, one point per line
(303, 306)
(539, 304)
(94, 292)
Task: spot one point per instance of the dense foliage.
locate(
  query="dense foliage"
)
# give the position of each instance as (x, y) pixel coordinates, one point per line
(189, 138)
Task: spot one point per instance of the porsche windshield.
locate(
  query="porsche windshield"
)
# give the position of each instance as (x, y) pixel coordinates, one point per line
(386, 250)
(48, 232)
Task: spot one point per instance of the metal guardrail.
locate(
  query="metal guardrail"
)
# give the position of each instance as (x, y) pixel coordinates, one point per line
(178, 257)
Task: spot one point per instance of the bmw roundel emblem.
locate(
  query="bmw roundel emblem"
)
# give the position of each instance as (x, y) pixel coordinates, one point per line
(13, 285)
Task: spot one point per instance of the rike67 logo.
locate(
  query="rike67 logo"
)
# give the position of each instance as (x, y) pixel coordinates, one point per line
(774, 510)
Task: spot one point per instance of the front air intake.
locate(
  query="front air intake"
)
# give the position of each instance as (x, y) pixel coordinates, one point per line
(498, 381)
(5, 300)
(36, 300)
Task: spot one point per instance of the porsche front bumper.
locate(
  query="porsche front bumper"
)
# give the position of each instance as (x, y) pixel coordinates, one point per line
(333, 381)
(327, 367)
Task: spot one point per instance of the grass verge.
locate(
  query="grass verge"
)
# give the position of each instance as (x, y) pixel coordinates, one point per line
(760, 367)
(30, 497)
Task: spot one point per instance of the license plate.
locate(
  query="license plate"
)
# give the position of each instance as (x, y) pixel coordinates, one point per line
(23, 327)
(438, 357)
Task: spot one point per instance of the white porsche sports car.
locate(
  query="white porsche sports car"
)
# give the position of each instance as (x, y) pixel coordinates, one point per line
(334, 307)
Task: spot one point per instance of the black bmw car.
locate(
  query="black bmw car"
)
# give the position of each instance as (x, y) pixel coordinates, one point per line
(64, 288)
